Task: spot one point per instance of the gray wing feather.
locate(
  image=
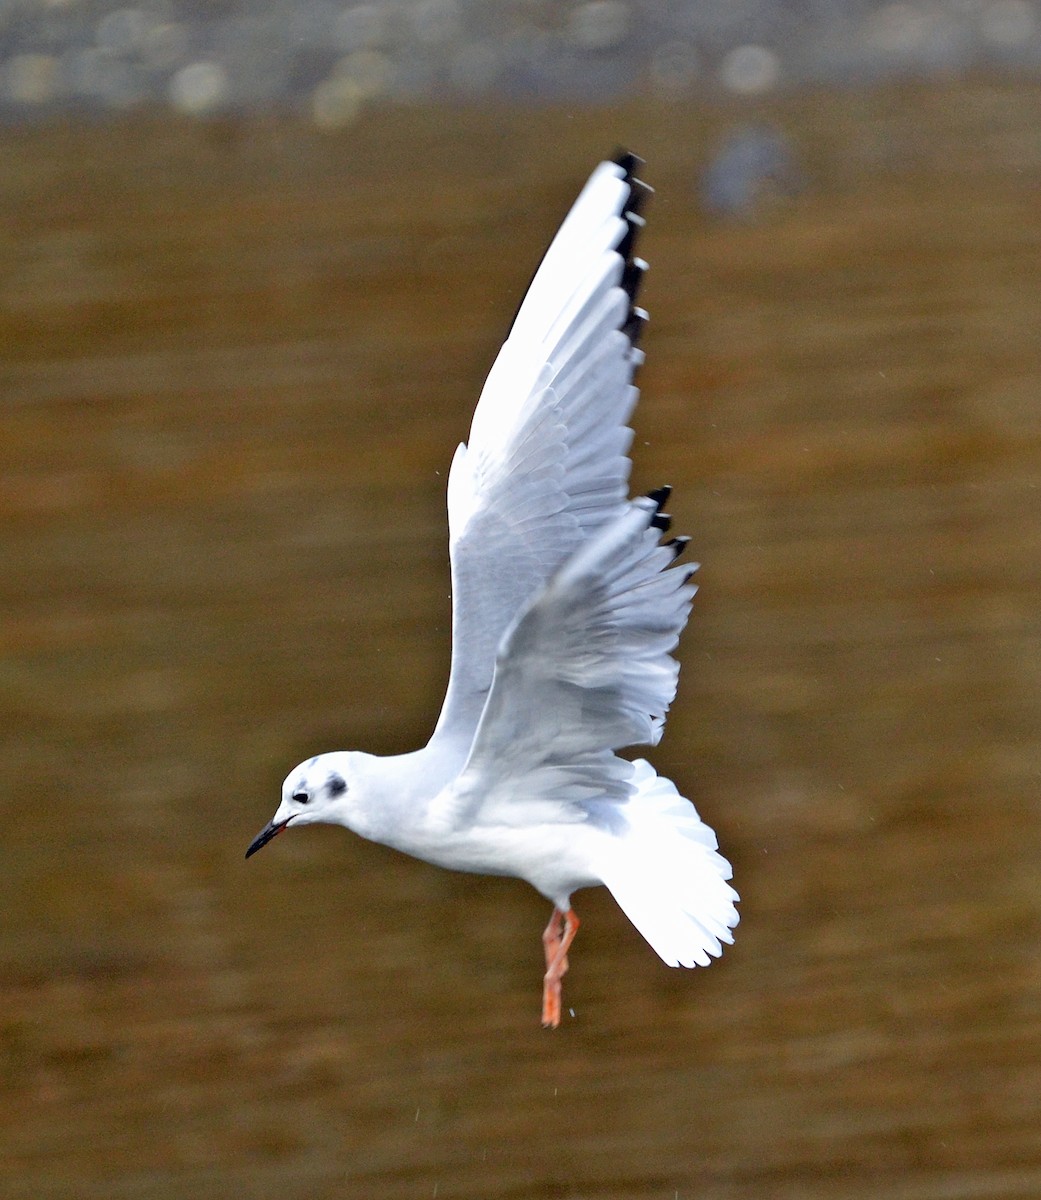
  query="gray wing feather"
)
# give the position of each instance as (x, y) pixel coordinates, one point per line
(584, 670)
(546, 465)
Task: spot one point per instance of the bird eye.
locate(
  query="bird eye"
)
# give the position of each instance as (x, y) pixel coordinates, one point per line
(301, 797)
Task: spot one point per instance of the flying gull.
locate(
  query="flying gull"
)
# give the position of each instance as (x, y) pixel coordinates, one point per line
(566, 608)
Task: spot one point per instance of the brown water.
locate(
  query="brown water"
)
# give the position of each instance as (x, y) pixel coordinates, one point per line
(236, 363)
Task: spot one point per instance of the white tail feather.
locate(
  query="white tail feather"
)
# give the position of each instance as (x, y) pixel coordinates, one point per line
(668, 877)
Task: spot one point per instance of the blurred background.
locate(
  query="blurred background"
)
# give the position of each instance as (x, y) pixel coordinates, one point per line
(255, 260)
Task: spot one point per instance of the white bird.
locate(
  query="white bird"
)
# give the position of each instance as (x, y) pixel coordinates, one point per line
(566, 608)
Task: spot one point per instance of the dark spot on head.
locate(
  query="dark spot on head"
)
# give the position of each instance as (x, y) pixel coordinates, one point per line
(336, 785)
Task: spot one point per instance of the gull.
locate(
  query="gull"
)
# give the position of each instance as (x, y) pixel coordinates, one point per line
(566, 607)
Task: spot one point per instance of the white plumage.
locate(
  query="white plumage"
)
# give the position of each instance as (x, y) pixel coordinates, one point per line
(566, 608)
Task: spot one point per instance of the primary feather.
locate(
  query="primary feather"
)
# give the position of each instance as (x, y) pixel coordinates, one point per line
(546, 464)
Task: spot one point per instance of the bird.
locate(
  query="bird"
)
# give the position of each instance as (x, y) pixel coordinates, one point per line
(567, 603)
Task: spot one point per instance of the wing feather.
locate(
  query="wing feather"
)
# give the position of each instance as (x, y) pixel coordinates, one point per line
(584, 670)
(546, 465)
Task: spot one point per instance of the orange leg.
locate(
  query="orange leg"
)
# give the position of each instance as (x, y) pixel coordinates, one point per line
(556, 941)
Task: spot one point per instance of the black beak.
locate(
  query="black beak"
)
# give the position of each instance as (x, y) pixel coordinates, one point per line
(270, 830)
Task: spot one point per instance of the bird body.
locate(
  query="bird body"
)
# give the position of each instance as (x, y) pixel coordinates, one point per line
(566, 608)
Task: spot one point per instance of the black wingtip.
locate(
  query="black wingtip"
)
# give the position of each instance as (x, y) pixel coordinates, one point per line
(639, 192)
(678, 545)
(630, 164)
(634, 268)
(632, 277)
(661, 520)
(627, 160)
(634, 323)
(633, 225)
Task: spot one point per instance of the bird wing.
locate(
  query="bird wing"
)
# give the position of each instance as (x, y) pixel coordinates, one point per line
(546, 464)
(585, 669)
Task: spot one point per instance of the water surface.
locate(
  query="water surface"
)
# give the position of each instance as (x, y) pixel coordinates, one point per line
(237, 360)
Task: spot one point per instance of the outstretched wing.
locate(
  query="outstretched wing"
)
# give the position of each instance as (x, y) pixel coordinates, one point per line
(546, 465)
(584, 670)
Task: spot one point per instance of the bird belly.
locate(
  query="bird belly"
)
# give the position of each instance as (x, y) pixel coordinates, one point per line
(556, 859)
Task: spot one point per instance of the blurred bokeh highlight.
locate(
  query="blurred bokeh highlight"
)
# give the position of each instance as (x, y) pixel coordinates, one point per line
(328, 59)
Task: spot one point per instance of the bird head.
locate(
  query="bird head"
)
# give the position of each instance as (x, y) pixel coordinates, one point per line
(317, 790)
